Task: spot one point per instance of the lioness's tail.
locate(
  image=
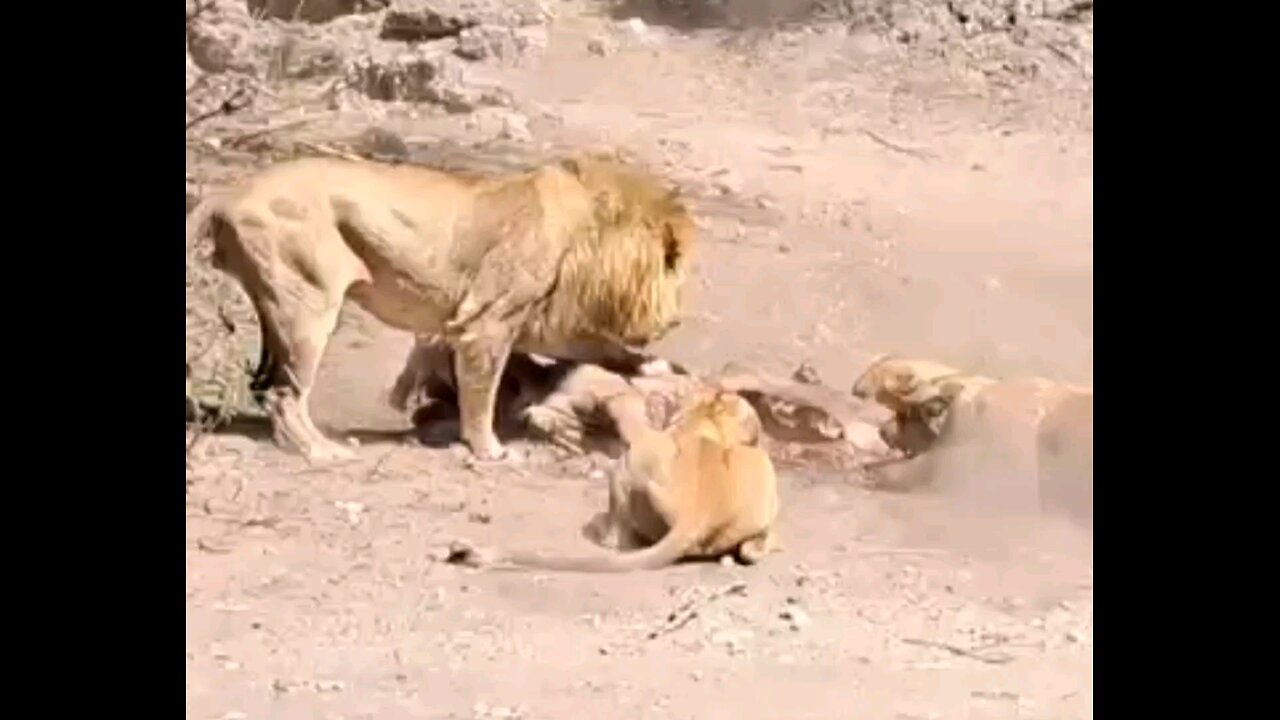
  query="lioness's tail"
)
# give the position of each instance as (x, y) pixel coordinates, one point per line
(206, 222)
(661, 554)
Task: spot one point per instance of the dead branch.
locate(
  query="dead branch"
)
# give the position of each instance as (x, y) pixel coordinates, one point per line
(975, 654)
(238, 100)
(918, 153)
(688, 609)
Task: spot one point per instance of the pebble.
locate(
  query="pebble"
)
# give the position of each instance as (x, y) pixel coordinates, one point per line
(600, 47)
(796, 618)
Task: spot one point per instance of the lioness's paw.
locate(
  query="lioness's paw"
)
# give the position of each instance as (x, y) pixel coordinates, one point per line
(330, 452)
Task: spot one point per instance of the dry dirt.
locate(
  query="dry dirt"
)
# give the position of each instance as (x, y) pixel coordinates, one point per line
(857, 200)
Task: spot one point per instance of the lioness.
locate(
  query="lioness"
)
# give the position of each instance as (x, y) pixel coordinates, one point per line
(578, 259)
(702, 488)
(920, 393)
(1032, 434)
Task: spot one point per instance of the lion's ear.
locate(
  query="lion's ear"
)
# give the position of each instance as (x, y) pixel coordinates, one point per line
(572, 165)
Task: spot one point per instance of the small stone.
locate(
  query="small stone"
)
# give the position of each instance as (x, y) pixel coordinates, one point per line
(600, 47)
(329, 685)
(382, 144)
(515, 127)
(806, 374)
(461, 553)
(352, 509)
(635, 26)
(797, 619)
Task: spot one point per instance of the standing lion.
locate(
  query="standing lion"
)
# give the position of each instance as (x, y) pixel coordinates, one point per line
(581, 259)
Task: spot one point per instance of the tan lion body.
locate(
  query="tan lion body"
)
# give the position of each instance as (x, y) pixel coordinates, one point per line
(577, 259)
(701, 489)
(1003, 430)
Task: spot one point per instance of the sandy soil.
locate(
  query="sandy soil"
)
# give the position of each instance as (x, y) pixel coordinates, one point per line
(854, 204)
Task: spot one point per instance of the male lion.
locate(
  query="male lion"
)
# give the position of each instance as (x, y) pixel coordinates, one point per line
(702, 488)
(578, 259)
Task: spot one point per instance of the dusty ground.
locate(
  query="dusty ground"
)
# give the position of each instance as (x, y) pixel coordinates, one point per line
(857, 200)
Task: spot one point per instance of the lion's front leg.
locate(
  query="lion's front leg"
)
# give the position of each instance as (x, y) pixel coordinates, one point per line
(480, 356)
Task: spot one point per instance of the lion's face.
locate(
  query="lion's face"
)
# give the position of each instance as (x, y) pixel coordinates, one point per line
(657, 311)
(625, 275)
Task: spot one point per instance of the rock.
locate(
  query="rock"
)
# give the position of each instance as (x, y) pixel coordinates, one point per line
(507, 44)
(381, 144)
(193, 72)
(635, 26)
(797, 619)
(600, 46)
(214, 93)
(313, 11)
(222, 37)
(460, 552)
(425, 74)
(300, 57)
(420, 24)
(806, 374)
(491, 123)
(424, 20)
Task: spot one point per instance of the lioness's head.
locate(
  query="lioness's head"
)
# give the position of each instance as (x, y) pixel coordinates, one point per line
(728, 415)
(882, 370)
(626, 270)
(896, 382)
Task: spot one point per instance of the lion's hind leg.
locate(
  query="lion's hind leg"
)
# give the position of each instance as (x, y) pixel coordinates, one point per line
(303, 333)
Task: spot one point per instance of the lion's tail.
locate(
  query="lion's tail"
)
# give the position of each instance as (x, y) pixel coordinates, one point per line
(661, 554)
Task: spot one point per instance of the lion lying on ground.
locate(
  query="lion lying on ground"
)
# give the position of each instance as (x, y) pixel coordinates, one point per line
(700, 489)
(947, 421)
(576, 259)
